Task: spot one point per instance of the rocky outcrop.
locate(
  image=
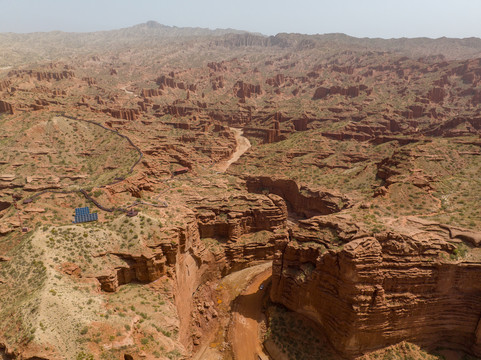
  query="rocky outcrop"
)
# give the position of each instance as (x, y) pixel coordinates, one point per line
(150, 92)
(177, 110)
(43, 75)
(90, 81)
(125, 114)
(277, 80)
(217, 66)
(267, 136)
(243, 90)
(320, 93)
(392, 170)
(368, 292)
(40, 104)
(159, 259)
(58, 92)
(165, 81)
(139, 268)
(6, 107)
(302, 200)
(239, 256)
(169, 82)
(436, 95)
(239, 216)
(6, 353)
(10, 181)
(245, 226)
(5, 84)
(476, 99)
(217, 83)
(351, 91)
(343, 69)
(414, 112)
(458, 126)
(4, 205)
(55, 75)
(300, 124)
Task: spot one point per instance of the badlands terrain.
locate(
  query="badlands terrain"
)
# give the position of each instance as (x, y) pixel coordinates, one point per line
(283, 197)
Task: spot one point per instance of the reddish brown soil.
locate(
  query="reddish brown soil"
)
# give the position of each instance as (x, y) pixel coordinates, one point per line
(247, 314)
(214, 139)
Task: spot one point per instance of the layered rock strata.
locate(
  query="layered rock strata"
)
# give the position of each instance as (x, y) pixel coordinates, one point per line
(367, 292)
(6, 107)
(302, 200)
(246, 226)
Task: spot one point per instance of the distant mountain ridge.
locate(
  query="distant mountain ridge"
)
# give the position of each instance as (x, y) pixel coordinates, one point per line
(174, 31)
(450, 48)
(45, 46)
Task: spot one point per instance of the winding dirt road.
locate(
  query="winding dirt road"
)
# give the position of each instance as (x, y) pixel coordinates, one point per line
(127, 91)
(243, 144)
(247, 314)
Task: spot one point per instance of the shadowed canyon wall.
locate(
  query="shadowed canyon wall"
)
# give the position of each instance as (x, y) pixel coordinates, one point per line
(376, 291)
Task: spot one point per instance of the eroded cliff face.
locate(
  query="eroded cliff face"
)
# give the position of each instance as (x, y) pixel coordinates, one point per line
(185, 254)
(368, 292)
(302, 200)
(242, 229)
(6, 107)
(192, 265)
(144, 267)
(220, 236)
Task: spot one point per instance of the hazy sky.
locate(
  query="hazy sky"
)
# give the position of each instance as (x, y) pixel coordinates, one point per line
(361, 18)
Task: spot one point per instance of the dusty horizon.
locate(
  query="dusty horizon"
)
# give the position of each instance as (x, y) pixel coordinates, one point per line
(371, 19)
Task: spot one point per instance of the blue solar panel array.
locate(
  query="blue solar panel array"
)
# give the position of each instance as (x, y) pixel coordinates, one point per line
(83, 215)
(82, 211)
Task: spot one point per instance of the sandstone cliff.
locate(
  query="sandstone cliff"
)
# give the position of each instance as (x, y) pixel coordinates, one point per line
(244, 90)
(222, 235)
(43, 75)
(125, 114)
(303, 200)
(370, 291)
(6, 107)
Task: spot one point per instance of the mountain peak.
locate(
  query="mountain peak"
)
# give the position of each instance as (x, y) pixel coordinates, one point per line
(153, 24)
